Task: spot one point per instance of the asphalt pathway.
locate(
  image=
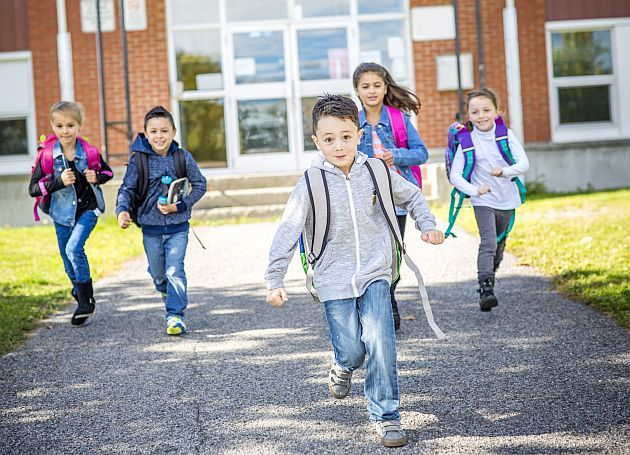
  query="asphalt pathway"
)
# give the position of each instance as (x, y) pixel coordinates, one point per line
(539, 374)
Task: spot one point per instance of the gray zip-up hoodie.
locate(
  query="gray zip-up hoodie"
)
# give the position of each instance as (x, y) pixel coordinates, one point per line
(359, 248)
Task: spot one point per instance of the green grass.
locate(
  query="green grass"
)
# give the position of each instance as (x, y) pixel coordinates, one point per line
(33, 283)
(580, 240)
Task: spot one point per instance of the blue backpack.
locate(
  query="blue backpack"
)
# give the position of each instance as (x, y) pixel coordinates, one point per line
(461, 136)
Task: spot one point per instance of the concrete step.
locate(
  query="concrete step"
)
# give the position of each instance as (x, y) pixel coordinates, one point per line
(245, 197)
(252, 181)
(252, 211)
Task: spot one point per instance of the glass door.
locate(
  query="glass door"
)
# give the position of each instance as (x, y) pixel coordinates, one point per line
(323, 64)
(259, 99)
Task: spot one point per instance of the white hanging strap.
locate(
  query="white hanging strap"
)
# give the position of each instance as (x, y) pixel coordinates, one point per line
(425, 298)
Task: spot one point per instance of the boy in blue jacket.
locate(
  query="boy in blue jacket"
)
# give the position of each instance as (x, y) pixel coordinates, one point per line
(164, 226)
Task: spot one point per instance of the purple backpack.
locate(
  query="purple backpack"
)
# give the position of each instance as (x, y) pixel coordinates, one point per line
(397, 120)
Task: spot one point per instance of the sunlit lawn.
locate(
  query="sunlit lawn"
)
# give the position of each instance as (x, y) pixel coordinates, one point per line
(580, 240)
(32, 281)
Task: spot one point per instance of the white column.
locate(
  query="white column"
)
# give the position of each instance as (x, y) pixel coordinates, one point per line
(64, 54)
(513, 69)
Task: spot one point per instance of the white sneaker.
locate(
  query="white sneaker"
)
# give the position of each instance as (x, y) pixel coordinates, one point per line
(392, 435)
(339, 382)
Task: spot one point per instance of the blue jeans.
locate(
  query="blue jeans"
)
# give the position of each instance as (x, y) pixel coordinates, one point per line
(165, 254)
(71, 241)
(361, 326)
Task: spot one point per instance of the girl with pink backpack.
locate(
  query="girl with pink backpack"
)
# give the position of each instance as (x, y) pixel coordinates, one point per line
(389, 134)
(66, 181)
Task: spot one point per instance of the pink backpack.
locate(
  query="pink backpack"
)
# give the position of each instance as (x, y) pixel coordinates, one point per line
(45, 157)
(397, 121)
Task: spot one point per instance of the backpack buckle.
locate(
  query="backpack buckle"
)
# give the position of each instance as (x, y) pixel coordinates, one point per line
(311, 258)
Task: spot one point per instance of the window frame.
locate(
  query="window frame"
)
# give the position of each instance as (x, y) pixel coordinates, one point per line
(21, 164)
(587, 131)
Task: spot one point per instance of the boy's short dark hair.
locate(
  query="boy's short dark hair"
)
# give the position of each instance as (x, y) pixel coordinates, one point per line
(338, 106)
(158, 112)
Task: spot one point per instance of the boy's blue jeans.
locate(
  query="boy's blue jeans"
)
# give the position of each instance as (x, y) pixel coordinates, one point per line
(165, 254)
(361, 326)
(71, 241)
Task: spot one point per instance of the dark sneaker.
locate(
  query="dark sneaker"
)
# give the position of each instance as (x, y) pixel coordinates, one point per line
(83, 313)
(487, 299)
(392, 435)
(339, 381)
(87, 304)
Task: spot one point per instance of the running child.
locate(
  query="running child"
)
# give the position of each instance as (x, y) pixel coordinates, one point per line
(381, 97)
(67, 176)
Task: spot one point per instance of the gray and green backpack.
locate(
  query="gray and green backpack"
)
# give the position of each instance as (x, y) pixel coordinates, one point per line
(312, 248)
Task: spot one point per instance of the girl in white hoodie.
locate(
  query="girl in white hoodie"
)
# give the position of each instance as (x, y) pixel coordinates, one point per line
(491, 188)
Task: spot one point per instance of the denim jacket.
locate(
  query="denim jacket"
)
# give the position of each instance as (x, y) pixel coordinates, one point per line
(416, 154)
(63, 202)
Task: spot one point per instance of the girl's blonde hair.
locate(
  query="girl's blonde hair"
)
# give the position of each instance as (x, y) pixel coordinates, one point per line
(74, 110)
(396, 96)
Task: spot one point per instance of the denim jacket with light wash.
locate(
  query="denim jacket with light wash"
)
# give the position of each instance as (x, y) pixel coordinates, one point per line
(63, 202)
(416, 154)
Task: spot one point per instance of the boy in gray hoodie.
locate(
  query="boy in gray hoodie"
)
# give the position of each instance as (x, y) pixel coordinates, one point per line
(353, 274)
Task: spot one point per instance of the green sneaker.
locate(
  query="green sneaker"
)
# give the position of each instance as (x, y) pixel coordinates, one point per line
(175, 326)
(392, 435)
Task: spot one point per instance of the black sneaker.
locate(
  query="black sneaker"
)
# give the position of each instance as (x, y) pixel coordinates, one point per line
(487, 299)
(339, 382)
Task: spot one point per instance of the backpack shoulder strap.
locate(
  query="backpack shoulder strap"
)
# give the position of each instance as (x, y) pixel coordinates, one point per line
(92, 154)
(142, 166)
(501, 138)
(179, 159)
(320, 205)
(397, 121)
(312, 248)
(383, 183)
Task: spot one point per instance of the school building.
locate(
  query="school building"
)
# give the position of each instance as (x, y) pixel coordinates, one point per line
(242, 76)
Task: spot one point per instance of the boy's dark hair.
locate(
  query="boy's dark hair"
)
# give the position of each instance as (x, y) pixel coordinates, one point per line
(158, 112)
(396, 96)
(338, 106)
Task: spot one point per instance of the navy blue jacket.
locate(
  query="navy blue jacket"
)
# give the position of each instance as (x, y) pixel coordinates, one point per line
(149, 217)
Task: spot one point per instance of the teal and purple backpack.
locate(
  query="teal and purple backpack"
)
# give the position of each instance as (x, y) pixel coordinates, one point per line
(459, 135)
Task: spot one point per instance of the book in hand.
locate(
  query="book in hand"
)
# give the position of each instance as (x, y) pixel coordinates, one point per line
(177, 190)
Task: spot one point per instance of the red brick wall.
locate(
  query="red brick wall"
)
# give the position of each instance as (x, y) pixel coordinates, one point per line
(534, 82)
(148, 70)
(42, 39)
(439, 108)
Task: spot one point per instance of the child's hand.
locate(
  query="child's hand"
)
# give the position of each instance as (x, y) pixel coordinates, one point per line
(165, 209)
(497, 172)
(277, 297)
(124, 220)
(388, 157)
(483, 189)
(434, 237)
(90, 176)
(68, 177)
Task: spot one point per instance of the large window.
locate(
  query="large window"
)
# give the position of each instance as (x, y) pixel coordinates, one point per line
(245, 74)
(582, 76)
(17, 126)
